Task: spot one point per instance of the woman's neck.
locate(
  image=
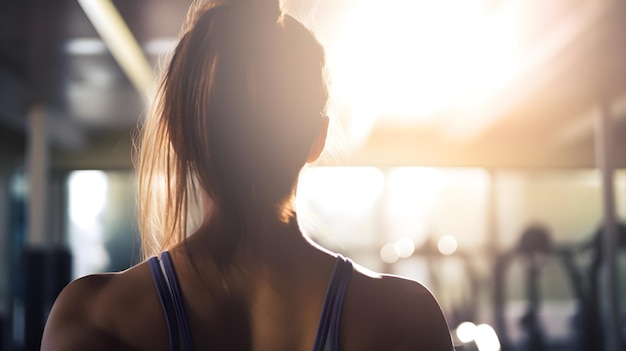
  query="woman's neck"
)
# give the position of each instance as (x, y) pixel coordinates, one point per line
(263, 233)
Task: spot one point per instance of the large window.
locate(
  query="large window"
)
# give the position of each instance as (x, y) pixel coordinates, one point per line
(441, 226)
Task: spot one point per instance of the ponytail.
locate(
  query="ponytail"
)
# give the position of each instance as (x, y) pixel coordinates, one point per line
(236, 112)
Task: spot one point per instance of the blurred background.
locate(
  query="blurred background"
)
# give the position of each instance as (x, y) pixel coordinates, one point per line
(476, 146)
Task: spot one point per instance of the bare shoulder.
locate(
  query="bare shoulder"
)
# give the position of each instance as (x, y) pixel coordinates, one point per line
(95, 313)
(70, 325)
(397, 314)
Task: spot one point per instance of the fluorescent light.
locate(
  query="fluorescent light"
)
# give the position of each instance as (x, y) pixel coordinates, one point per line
(85, 47)
(120, 42)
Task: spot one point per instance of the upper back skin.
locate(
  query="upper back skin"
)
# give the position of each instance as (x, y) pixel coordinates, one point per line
(271, 305)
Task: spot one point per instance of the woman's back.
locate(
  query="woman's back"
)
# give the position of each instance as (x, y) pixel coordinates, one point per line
(269, 304)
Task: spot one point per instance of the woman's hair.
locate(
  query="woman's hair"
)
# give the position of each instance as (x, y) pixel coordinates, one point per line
(236, 111)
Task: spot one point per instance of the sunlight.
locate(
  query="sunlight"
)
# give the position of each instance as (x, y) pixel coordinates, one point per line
(411, 59)
(347, 190)
(414, 189)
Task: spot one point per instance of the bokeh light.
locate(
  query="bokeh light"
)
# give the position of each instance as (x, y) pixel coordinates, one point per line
(466, 332)
(486, 338)
(388, 253)
(404, 247)
(447, 245)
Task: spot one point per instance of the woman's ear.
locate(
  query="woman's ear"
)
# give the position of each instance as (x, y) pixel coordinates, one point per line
(320, 141)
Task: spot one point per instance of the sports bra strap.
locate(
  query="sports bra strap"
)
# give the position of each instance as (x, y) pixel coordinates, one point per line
(327, 338)
(170, 294)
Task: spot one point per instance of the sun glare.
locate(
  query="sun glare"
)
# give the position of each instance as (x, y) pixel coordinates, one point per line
(411, 59)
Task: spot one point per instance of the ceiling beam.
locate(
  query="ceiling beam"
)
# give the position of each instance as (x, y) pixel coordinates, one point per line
(121, 43)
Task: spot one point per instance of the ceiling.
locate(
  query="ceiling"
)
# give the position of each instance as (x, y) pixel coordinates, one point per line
(543, 118)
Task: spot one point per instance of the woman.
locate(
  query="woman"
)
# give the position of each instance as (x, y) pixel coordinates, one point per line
(239, 111)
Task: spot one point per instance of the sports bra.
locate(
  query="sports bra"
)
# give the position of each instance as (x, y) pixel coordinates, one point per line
(170, 295)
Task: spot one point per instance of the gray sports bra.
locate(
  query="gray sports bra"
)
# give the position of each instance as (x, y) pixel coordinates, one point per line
(168, 288)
